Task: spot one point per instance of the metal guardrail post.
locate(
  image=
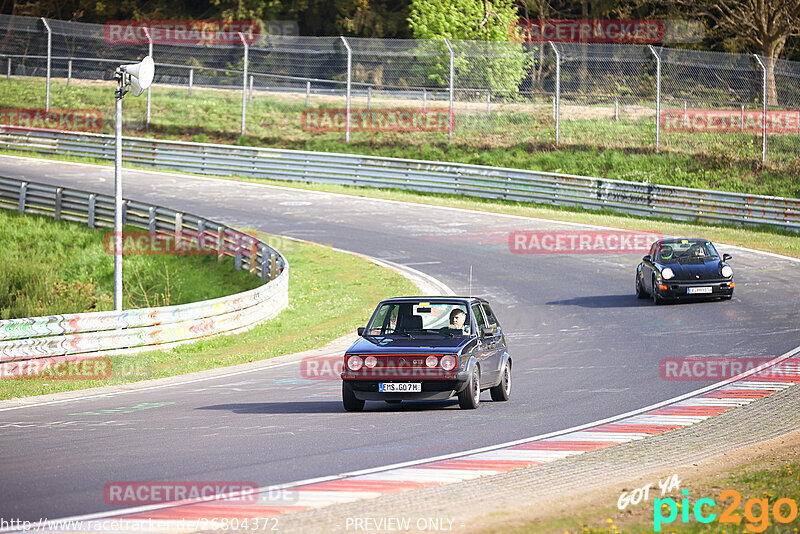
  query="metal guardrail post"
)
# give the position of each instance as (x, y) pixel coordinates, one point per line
(658, 96)
(220, 243)
(452, 77)
(764, 108)
(69, 73)
(149, 53)
(8, 72)
(151, 221)
(178, 226)
(558, 92)
(49, 56)
(191, 80)
(23, 194)
(201, 234)
(250, 95)
(91, 213)
(59, 196)
(308, 94)
(244, 83)
(349, 83)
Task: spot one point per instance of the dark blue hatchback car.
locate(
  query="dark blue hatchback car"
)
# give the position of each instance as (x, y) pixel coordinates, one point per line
(427, 348)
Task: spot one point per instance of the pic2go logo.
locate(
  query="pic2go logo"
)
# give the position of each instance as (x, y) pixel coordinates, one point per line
(756, 511)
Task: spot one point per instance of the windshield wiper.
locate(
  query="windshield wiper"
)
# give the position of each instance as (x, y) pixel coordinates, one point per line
(440, 332)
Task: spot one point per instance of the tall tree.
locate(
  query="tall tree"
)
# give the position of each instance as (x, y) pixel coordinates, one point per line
(764, 25)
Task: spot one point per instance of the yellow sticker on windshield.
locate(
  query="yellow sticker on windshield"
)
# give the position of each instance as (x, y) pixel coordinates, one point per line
(684, 241)
(423, 304)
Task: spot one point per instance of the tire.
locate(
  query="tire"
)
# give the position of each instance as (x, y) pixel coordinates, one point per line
(656, 299)
(470, 397)
(351, 403)
(502, 391)
(394, 401)
(640, 292)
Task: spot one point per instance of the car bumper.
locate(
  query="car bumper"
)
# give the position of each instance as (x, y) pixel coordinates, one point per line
(680, 290)
(432, 389)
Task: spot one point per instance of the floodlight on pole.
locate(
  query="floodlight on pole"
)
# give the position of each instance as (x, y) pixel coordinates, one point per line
(134, 77)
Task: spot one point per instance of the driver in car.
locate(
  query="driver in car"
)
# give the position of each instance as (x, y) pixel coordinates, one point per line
(457, 319)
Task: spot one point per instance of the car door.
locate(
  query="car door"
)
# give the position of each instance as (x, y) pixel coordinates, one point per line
(647, 270)
(488, 366)
(496, 342)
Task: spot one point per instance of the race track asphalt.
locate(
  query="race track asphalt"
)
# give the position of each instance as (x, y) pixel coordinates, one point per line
(584, 349)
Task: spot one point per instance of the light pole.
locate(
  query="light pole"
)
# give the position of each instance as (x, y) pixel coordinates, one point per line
(135, 78)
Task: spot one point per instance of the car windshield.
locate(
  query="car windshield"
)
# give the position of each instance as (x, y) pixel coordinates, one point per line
(685, 251)
(419, 318)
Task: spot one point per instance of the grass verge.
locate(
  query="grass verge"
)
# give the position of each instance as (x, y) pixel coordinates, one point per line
(513, 135)
(330, 293)
(57, 267)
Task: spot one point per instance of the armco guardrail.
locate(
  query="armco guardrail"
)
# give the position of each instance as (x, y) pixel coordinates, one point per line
(643, 199)
(94, 333)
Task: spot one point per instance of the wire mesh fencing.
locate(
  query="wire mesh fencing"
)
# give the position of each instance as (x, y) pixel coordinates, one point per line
(527, 95)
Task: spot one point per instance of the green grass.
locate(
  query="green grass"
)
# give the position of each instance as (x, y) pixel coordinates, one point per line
(518, 136)
(330, 294)
(758, 481)
(52, 268)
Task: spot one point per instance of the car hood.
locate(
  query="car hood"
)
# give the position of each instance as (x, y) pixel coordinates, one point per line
(417, 345)
(707, 270)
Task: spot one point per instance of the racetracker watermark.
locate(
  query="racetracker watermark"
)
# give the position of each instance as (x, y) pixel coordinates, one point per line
(139, 493)
(580, 242)
(689, 369)
(322, 368)
(57, 368)
(180, 31)
(587, 31)
(83, 120)
(729, 121)
(176, 243)
(377, 120)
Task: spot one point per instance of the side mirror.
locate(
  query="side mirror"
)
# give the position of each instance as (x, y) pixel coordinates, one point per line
(726, 257)
(487, 331)
(647, 258)
(360, 331)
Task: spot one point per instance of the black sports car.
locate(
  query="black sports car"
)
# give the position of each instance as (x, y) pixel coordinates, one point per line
(427, 348)
(684, 269)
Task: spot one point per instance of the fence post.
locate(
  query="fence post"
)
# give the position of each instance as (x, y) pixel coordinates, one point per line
(273, 266)
(178, 227)
(685, 118)
(349, 81)
(763, 109)
(49, 56)
(308, 94)
(452, 77)
(616, 109)
(69, 73)
(8, 72)
(191, 80)
(658, 96)
(149, 53)
(369, 97)
(244, 83)
(151, 221)
(424, 100)
(488, 102)
(557, 100)
(220, 243)
(250, 98)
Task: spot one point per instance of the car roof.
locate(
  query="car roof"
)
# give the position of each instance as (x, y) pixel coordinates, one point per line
(439, 298)
(679, 239)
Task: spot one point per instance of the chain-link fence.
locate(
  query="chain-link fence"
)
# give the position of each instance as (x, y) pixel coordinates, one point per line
(307, 90)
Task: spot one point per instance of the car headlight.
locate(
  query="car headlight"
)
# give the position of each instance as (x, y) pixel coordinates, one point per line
(727, 272)
(370, 361)
(667, 273)
(354, 363)
(432, 361)
(447, 362)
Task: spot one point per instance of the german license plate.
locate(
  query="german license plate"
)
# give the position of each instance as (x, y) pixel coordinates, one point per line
(400, 387)
(697, 290)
